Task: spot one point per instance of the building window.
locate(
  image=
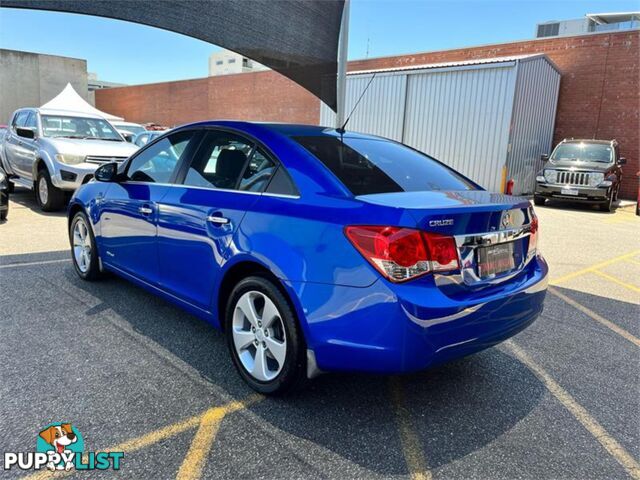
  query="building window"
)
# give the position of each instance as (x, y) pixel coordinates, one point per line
(245, 62)
(231, 60)
(219, 62)
(548, 30)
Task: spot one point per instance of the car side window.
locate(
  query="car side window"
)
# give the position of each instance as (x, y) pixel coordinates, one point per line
(19, 120)
(142, 139)
(219, 162)
(281, 184)
(31, 121)
(258, 172)
(158, 162)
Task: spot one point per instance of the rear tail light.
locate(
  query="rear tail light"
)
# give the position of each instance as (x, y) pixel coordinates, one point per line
(401, 254)
(533, 238)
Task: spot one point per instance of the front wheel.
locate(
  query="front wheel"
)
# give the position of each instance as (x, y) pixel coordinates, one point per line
(264, 338)
(83, 248)
(608, 205)
(538, 200)
(49, 197)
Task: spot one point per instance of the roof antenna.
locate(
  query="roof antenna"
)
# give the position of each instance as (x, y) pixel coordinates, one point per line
(341, 130)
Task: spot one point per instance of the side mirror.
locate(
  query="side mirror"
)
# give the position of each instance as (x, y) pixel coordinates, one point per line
(107, 172)
(622, 161)
(127, 136)
(544, 157)
(26, 132)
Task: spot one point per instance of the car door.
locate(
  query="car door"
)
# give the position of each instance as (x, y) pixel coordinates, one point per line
(129, 210)
(198, 217)
(27, 148)
(13, 145)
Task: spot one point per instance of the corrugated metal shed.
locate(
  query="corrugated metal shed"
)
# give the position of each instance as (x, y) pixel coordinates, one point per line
(486, 118)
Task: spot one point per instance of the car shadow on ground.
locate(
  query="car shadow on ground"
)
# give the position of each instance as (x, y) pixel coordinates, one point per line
(454, 409)
(26, 198)
(579, 206)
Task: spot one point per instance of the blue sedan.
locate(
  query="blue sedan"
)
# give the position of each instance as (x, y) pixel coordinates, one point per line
(314, 250)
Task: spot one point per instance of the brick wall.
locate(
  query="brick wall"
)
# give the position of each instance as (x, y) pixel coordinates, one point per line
(599, 91)
(260, 96)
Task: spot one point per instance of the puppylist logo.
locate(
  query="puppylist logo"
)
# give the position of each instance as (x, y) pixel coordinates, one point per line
(60, 447)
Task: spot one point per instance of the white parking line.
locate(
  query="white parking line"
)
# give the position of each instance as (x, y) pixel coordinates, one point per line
(30, 264)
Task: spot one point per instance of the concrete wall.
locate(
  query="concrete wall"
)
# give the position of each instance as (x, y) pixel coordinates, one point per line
(599, 94)
(30, 79)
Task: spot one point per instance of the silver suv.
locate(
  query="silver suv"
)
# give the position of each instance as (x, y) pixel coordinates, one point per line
(53, 151)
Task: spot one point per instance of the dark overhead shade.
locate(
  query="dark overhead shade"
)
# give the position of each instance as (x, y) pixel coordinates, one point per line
(298, 38)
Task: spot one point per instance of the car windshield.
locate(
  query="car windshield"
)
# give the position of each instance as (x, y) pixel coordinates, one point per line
(135, 129)
(58, 126)
(368, 166)
(583, 152)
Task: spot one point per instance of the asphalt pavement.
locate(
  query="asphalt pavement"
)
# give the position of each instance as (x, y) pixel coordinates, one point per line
(133, 373)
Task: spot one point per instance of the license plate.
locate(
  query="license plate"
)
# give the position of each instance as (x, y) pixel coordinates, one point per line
(569, 191)
(495, 259)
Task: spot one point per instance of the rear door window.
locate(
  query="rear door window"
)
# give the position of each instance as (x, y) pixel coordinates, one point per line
(219, 162)
(368, 166)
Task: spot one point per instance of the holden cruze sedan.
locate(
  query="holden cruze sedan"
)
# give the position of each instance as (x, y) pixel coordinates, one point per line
(314, 250)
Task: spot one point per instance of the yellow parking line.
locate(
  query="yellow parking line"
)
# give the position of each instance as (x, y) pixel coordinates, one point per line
(137, 443)
(616, 450)
(597, 266)
(590, 313)
(615, 280)
(633, 260)
(410, 443)
(194, 461)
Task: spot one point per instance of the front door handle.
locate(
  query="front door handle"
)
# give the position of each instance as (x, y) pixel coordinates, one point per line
(145, 210)
(218, 220)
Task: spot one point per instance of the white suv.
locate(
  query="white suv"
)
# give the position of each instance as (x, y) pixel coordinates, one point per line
(52, 151)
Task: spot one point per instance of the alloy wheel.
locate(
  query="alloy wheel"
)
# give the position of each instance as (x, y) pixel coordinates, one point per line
(259, 336)
(82, 245)
(43, 190)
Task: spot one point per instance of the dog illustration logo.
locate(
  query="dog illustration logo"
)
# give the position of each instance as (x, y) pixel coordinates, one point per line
(62, 439)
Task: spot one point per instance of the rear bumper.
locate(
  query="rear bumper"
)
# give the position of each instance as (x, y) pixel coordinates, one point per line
(585, 194)
(392, 328)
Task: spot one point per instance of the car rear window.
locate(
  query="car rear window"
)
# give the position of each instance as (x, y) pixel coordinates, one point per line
(367, 166)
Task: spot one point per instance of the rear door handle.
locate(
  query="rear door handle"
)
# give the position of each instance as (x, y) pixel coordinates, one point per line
(145, 210)
(218, 220)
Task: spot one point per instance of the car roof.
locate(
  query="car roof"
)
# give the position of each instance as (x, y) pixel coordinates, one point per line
(588, 140)
(65, 113)
(286, 129)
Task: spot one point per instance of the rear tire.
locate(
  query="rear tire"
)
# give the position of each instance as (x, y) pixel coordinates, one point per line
(538, 200)
(84, 253)
(268, 351)
(48, 196)
(10, 186)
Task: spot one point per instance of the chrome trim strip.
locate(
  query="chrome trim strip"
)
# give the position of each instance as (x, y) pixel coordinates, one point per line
(492, 238)
(217, 220)
(279, 195)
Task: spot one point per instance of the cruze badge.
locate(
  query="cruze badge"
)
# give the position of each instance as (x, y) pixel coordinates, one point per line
(441, 223)
(506, 220)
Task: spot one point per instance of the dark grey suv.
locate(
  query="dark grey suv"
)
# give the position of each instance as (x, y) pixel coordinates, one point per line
(581, 171)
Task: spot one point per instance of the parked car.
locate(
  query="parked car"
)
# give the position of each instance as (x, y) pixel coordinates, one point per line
(4, 195)
(128, 129)
(141, 139)
(581, 170)
(53, 151)
(314, 250)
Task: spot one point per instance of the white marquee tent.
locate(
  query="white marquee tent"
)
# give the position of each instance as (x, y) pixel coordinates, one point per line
(68, 99)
